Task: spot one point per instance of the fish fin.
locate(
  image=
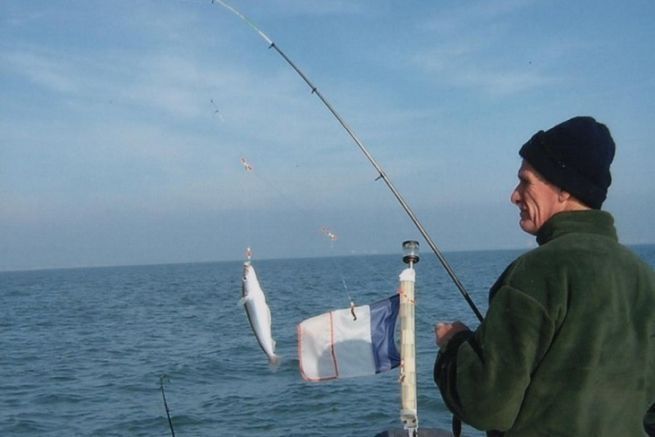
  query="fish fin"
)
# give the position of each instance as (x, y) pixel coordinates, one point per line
(242, 301)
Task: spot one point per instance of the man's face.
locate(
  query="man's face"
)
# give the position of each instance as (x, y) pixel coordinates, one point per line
(537, 199)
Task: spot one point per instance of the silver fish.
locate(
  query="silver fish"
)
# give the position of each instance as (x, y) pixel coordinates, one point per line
(258, 312)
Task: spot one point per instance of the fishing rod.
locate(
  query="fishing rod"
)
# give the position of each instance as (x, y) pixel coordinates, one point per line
(381, 173)
(163, 395)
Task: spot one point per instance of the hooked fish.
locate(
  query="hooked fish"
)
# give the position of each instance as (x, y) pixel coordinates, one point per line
(258, 312)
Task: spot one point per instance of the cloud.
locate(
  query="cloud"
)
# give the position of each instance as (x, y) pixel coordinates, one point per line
(474, 46)
(296, 8)
(470, 67)
(471, 16)
(42, 70)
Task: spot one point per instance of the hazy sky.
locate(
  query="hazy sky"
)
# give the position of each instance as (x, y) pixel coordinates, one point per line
(122, 123)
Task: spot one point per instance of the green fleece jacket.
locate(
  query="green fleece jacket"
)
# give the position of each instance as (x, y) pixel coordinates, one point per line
(567, 347)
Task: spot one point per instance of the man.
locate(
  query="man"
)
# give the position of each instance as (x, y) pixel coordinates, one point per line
(567, 347)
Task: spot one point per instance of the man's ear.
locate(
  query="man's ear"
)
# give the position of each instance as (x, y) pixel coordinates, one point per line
(563, 196)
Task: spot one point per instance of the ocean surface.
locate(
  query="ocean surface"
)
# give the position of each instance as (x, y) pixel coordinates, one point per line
(82, 350)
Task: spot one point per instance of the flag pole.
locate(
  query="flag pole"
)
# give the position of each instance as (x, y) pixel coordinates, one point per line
(408, 401)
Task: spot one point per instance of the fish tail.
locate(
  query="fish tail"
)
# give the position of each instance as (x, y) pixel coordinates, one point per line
(274, 360)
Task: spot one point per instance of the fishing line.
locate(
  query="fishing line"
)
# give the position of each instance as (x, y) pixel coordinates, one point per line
(266, 183)
(269, 184)
(163, 395)
(247, 169)
(261, 184)
(333, 237)
(324, 230)
(381, 173)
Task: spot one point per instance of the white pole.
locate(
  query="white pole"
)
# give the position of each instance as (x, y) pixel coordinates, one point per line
(408, 410)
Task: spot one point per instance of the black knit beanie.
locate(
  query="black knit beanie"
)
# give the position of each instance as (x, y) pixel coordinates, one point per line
(574, 156)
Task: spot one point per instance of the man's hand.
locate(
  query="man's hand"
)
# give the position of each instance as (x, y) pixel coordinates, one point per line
(445, 331)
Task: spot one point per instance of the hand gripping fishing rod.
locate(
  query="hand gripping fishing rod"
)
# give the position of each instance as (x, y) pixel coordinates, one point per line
(378, 168)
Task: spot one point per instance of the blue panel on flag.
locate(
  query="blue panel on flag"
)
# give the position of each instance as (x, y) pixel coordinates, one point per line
(383, 323)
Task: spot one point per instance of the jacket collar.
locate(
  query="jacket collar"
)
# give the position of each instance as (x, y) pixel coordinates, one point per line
(591, 221)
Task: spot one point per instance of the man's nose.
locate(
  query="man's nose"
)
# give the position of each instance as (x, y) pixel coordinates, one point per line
(515, 197)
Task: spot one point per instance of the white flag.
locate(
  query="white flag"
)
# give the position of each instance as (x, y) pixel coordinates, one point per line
(333, 345)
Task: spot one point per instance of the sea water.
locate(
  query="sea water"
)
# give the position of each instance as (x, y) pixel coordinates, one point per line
(82, 350)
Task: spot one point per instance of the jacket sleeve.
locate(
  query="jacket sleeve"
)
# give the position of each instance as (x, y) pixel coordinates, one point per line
(483, 375)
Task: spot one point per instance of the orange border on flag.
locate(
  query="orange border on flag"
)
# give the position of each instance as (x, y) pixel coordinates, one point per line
(334, 357)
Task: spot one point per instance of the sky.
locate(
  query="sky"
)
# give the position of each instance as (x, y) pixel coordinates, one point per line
(123, 123)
